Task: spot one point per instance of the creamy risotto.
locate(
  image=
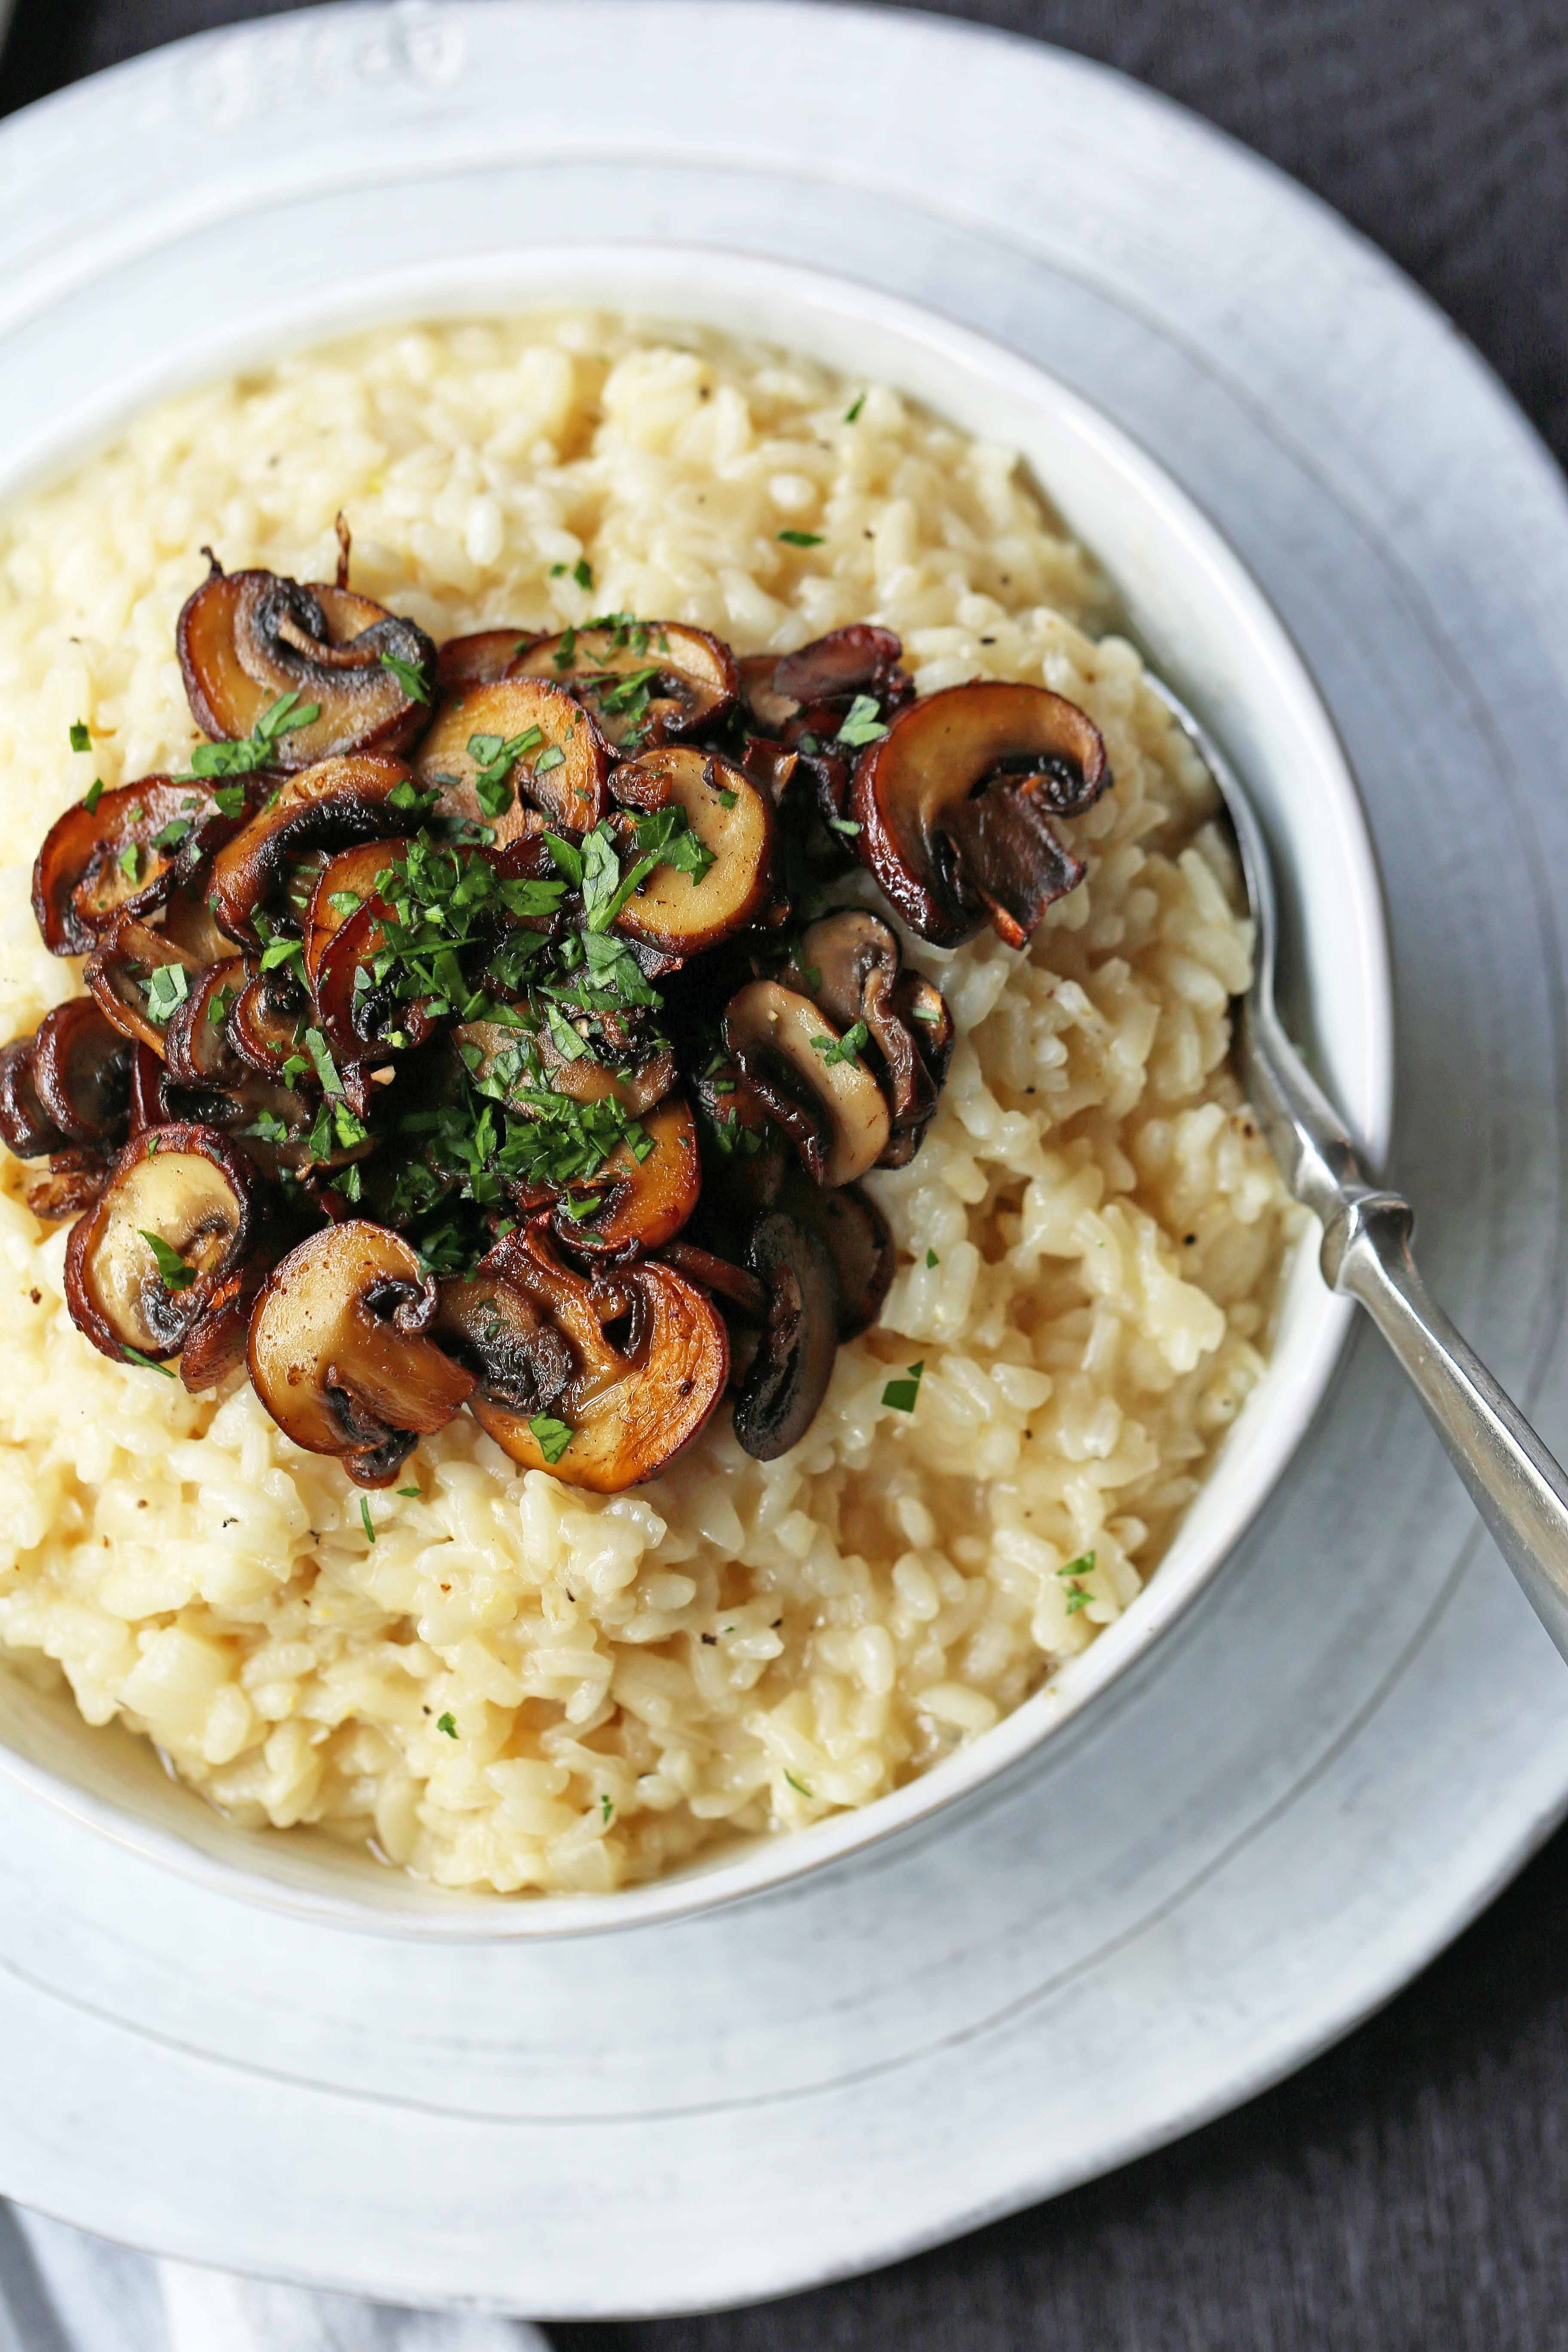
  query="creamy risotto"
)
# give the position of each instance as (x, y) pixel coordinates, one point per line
(521, 1686)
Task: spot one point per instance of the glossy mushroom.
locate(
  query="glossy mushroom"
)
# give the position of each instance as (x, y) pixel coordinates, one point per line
(786, 691)
(631, 1405)
(247, 638)
(788, 1377)
(81, 1069)
(554, 775)
(121, 857)
(646, 682)
(849, 963)
(642, 1196)
(329, 807)
(479, 658)
(813, 1085)
(25, 1128)
(196, 1046)
(139, 979)
(954, 807)
(340, 1351)
(180, 1213)
(677, 911)
(75, 1180)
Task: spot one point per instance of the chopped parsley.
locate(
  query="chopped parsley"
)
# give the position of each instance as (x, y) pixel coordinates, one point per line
(409, 677)
(81, 736)
(367, 1522)
(606, 1807)
(173, 1271)
(583, 572)
(219, 1004)
(411, 1494)
(862, 724)
(326, 1068)
(177, 830)
(496, 756)
(93, 795)
(256, 749)
(843, 825)
(799, 1786)
(552, 1438)
(801, 538)
(1077, 1597)
(842, 1049)
(932, 1259)
(128, 860)
(230, 800)
(134, 1356)
(166, 986)
(902, 1394)
(447, 1724)
(853, 411)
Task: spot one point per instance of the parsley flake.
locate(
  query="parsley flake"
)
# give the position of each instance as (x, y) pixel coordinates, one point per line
(853, 411)
(932, 1259)
(81, 736)
(799, 1786)
(901, 1395)
(93, 795)
(173, 1271)
(256, 749)
(366, 1521)
(552, 1437)
(842, 1049)
(606, 1807)
(134, 1356)
(1077, 1597)
(801, 538)
(862, 724)
(408, 675)
(165, 986)
(447, 1724)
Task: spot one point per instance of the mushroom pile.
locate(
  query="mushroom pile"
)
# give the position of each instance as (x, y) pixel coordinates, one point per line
(475, 1025)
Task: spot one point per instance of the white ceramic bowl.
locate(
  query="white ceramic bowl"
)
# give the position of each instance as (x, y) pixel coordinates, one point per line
(1202, 622)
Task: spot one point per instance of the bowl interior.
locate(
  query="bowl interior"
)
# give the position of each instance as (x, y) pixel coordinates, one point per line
(1202, 622)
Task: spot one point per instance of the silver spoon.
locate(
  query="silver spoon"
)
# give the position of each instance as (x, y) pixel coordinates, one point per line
(1519, 1489)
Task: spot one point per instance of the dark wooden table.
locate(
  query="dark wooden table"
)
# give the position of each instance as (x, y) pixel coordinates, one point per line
(1409, 2192)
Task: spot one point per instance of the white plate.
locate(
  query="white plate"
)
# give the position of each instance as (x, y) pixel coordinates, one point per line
(1356, 1733)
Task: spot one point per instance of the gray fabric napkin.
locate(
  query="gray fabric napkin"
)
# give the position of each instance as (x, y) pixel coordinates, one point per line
(63, 2291)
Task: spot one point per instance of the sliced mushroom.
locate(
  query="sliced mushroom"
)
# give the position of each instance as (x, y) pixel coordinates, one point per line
(330, 806)
(556, 776)
(345, 883)
(646, 682)
(849, 964)
(199, 1198)
(640, 1198)
(75, 1180)
(781, 688)
(500, 1064)
(821, 1094)
(81, 1069)
(123, 857)
(858, 1241)
(720, 1276)
(268, 1022)
(789, 1374)
(955, 806)
(340, 1352)
(188, 924)
(481, 659)
(196, 1046)
(124, 978)
(631, 1406)
(25, 1126)
(522, 1361)
(680, 912)
(247, 638)
(216, 1344)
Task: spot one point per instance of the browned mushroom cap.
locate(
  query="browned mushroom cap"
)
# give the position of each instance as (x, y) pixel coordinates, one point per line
(339, 1352)
(188, 923)
(216, 1344)
(479, 659)
(641, 1197)
(646, 682)
(201, 1201)
(197, 1044)
(138, 978)
(495, 1058)
(25, 1126)
(344, 885)
(121, 857)
(954, 804)
(75, 1180)
(779, 689)
(789, 1374)
(559, 759)
(849, 964)
(267, 1021)
(81, 1069)
(858, 1241)
(330, 806)
(816, 1088)
(677, 911)
(632, 1407)
(245, 638)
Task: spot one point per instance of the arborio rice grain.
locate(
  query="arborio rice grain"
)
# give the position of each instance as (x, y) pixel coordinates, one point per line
(518, 1686)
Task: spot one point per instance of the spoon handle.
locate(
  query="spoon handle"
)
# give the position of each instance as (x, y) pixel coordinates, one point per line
(1516, 1484)
(1519, 1488)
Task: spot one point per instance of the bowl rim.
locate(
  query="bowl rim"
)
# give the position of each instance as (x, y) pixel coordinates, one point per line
(714, 285)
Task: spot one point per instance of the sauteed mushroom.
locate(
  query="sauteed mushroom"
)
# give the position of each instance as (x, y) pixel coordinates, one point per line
(81, 1069)
(25, 1126)
(75, 1180)
(247, 638)
(646, 682)
(638, 1203)
(630, 1408)
(849, 964)
(340, 1355)
(180, 1213)
(196, 1046)
(123, 855)
(783, 1390)
(479, 659)
(858, 1240)
(680, 912)
(810, 1079)
(955, 806)
(515, 757)
(139, 978)
(782, 689)
(330, 806)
